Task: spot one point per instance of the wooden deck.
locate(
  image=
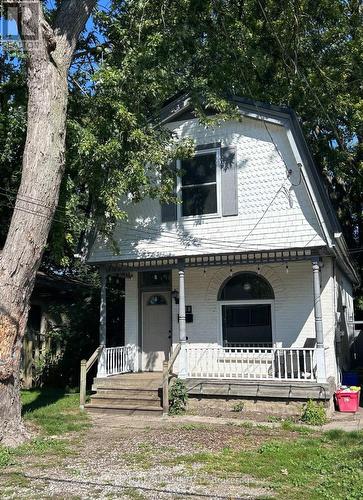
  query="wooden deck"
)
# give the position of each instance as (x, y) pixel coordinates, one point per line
(141, 393)
(261, 389)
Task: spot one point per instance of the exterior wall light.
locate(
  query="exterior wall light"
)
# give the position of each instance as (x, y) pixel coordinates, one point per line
(175, 296)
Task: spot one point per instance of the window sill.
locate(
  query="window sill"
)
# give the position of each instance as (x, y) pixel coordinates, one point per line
(193, 218)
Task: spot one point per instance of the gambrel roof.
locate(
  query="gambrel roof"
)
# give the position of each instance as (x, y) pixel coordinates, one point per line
(181, 108)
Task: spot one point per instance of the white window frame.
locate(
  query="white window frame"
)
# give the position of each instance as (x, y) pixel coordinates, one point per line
(180, 215)
(252, 302)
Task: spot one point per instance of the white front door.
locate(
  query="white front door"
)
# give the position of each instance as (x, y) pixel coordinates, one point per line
(156, 329)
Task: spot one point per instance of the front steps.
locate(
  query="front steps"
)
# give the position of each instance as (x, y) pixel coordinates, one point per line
(128, 394)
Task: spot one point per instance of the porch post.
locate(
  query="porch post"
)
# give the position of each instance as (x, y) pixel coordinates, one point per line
(319, 333)
(183, 360)
(102, 331)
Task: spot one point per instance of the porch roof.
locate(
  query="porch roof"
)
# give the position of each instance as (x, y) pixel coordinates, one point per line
(208, 260)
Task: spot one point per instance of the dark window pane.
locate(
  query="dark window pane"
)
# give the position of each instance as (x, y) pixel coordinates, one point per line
(199, 170)
(246, 286)
(246, 324)
(199, 200)
(260, 315)
(237, 316)
(155, 278)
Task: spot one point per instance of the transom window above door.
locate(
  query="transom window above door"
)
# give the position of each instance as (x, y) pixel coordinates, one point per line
(198, 185)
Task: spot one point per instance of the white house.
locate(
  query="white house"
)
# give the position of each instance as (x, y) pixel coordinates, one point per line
(249, 273)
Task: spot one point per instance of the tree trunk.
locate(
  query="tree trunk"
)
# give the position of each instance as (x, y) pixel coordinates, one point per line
(35, 205)
(43, 164)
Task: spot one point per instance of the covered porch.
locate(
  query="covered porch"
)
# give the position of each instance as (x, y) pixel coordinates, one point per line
(228, 318)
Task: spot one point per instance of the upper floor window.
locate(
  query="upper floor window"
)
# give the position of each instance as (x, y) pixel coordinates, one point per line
(198, 185)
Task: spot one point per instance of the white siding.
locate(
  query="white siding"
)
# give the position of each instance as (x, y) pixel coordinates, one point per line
(273, 213)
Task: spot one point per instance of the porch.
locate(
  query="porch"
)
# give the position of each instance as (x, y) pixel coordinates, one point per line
(241, 325)
(215, 362)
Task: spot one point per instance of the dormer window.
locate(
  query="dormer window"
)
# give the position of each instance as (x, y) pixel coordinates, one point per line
(198, 185)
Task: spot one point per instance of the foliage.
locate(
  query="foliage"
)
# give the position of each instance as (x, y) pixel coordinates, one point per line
(303, 54)
(178, 397)
(314, 413)
(238, 407)
(74, 338)
(328, 466)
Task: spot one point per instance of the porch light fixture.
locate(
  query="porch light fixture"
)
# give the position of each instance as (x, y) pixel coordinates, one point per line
(258, 270)
(230, 271)
(175, 296)
(287, 268)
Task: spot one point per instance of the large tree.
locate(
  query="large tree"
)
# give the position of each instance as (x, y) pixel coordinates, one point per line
(49, 47)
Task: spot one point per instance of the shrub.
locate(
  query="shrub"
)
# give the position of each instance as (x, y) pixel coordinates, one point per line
(238, 407)
(314, 413)
(178, 397)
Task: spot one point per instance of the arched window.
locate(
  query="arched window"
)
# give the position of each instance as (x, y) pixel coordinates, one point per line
(247, 321)
(246, 286)
(157, 300)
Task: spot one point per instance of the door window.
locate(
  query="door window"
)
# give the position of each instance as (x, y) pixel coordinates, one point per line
(157, 300)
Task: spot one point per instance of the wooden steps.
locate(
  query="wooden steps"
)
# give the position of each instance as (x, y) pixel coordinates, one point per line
(129, 394)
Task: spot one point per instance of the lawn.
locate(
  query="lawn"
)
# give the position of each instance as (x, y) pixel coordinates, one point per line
(310, 467)
(50, 414)
(174, 458)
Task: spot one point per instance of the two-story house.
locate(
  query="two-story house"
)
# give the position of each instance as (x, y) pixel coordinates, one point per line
(249, 273)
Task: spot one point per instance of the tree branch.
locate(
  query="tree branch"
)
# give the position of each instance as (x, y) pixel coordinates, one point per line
(70, 20)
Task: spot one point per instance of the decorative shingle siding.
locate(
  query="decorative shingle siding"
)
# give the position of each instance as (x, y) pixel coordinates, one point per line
(272, 213)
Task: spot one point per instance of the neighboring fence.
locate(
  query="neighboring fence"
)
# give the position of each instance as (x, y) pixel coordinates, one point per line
(251, 363)
(116, 360)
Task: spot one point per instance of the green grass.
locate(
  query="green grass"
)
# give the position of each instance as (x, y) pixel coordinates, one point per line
(53, 414)
(328, 466)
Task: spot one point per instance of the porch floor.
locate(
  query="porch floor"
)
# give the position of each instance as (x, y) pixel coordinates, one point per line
(141, 393)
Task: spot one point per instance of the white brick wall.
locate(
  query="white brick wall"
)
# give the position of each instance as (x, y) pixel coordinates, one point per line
(294, 307)
(266, 220)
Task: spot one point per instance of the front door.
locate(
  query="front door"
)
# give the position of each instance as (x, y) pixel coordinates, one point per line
(156, 329)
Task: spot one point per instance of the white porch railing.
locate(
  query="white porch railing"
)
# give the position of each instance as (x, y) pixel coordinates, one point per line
(116, 360)
(247, 344)
(243, 363)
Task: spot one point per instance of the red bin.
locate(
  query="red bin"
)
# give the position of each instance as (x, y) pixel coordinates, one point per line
(348, 401)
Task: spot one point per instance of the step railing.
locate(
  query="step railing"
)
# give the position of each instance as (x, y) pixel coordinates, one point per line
(246, 363)
(117, 360)
(85, 368)
(167, 371)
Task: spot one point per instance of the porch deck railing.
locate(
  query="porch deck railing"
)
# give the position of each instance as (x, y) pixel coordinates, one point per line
(247, 344)
(117, 360)
(261, 363)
